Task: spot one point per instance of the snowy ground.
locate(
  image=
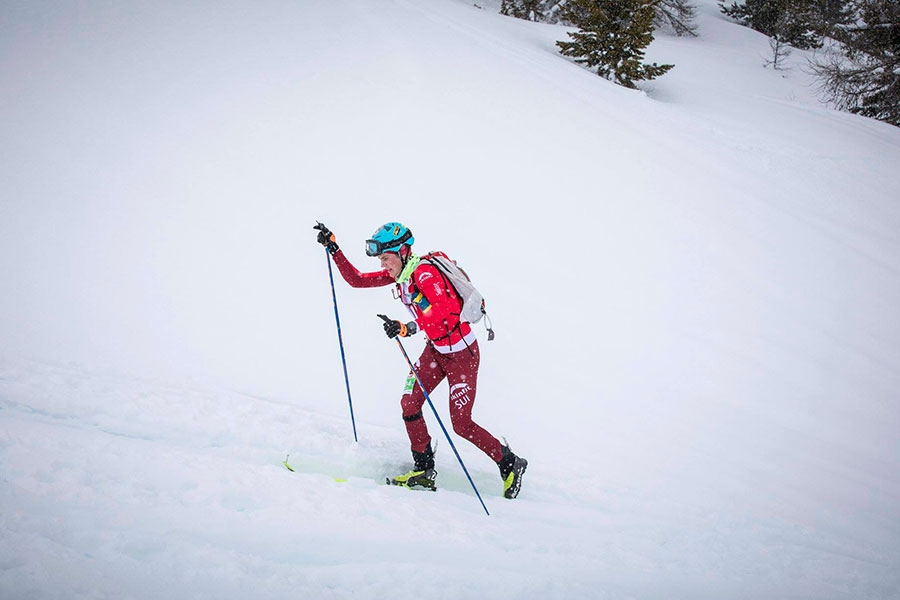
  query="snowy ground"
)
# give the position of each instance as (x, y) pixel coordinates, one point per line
(694, 287)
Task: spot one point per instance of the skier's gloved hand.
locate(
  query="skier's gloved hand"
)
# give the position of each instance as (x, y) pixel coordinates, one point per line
(394, 328)
(326, 238)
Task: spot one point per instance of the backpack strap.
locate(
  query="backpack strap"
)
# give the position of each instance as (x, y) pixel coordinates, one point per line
(448, 285)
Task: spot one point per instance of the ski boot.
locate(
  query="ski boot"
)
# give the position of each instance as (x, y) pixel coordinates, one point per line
(422, 476)
(416, 480)
(512, 468)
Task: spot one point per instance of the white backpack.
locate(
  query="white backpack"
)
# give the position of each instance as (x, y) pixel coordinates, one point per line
(472, 301)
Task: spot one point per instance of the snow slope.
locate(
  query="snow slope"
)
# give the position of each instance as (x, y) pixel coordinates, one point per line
(694, 288)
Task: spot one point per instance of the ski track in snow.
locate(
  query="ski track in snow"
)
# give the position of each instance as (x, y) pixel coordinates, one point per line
(181, 489)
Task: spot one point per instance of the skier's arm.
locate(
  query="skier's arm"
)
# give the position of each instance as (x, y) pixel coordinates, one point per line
(350, 274)
(358, 279)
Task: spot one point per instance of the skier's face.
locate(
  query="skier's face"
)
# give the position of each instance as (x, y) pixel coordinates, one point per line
(390, 261)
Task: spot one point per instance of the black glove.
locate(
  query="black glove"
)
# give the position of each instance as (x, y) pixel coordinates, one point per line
(394, 328)
(326, 238)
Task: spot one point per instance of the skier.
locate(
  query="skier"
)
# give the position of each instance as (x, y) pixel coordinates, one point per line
(451, 351)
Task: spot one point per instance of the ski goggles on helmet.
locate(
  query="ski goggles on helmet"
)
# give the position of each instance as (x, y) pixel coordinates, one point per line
(377, 248)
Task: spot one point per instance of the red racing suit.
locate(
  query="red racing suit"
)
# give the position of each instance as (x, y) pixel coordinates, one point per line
(451, 352)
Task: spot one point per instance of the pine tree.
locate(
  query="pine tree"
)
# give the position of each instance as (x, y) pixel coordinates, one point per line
(790, 22)
(780, 52)
(546, 11)
(612, 36)
(832, 13)
(530, 10)
(864, 77)
(678, 15)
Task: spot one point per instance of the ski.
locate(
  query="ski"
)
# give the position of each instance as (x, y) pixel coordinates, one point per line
(288, 466)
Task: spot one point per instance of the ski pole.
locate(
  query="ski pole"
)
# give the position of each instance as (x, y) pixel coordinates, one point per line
(337, 320)
(436, 416)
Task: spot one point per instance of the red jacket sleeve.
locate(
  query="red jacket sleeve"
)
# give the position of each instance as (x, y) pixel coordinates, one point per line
(357, 279)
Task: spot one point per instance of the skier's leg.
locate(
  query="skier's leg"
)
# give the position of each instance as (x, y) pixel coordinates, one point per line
(462, 374)
(431, 374)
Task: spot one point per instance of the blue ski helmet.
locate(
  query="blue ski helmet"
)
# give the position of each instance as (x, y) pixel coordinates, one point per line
(389, 238)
